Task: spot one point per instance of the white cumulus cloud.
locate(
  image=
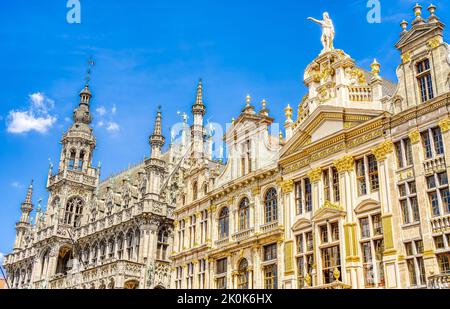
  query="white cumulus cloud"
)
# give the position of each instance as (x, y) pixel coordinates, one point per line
(113, 127)
(16, 184)
(101, 111)
(36, 118)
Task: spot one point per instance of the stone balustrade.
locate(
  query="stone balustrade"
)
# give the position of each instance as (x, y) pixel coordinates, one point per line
(269, 227)
(441, 223)
(360, 94)
(434, 165)
(441, 281)
(243, 234)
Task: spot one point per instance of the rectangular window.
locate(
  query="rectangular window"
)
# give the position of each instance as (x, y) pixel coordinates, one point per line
(299, 239)
(336, 193)
(309, 241)
(221, 266)
(408, 201)
(326, 185)
(308, 195)
(365, 227)
(439, 242)
(373, 173)
(424, 80)
(427, 145)
(270, 252)
(334, 231)
(361, 177)
(323, 234)
(437, 139)
(444, 263)
(298, 198)
(270, 277)
(377, 225)
(331, 260)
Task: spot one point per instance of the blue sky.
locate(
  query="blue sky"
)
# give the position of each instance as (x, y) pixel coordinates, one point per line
(152, 52)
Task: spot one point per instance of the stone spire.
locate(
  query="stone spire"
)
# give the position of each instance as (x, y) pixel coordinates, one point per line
(24, 223)
(157, 140)
(199, 108)
(82, 114)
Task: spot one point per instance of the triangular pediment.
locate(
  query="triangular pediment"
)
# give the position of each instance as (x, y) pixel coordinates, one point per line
(301, 224)
(417, 32)
(367, 206)
(329, 211)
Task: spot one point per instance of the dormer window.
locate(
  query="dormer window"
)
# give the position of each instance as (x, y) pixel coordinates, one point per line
(424, 80)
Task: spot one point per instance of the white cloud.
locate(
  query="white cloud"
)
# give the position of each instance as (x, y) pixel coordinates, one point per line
(101, 123)
(113, 127)
(114, 109)
(23, 122)
(36, 118)
(67, 119)
(101, 111)
(16, 184)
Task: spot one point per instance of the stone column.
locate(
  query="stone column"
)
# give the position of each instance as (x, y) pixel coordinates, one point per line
(315, 176)
(257, 267)
(382, 153)
(256, 191)
(429, 257)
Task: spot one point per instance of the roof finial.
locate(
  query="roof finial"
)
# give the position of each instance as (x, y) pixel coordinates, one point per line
(432, 10)
(90, 63)
(375, 66)
(248, 100)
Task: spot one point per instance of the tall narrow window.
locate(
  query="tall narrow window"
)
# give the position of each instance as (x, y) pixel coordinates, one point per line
(80, 161)
(120, 242)
(414, 262)
(244, 214)
(361, 177)
(73, 212)
(438, 193)
(298, 198)
(270, 270)
(373, 173)
(221, 274)
(224, 223)
(408, 202)
(194, 191)
(243, 275)
(130, 243)
(271, 206)
(424, 80)
(308, 195)
(72, 159)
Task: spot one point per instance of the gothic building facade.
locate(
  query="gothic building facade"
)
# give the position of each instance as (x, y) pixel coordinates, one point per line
(355, 195)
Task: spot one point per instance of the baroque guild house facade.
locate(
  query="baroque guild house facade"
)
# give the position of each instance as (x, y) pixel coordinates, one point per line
(355, 195)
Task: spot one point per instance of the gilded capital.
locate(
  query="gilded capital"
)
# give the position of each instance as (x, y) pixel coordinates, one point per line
(345, 164)
(381, 151)
(414, 136)
(315, 175)
(406, 57)
(434, 43)
(256, 190)
(444, 125)
(287, 186)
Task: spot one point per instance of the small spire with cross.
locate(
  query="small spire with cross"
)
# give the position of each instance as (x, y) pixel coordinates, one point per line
(90, 63)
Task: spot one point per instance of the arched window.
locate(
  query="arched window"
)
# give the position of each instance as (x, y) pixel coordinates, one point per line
(243, 275)
(194, 191)
(205, 189)
(223, 223)
(120, 241)
(44, 263)
(74, 210)
(271, 212)
(163, 244)
(94, 254)
(86, 255)
(72, 159)
(111, 248)
(244, 214)
(80, 161)
(130, 244)
(137, 238)
(102, 251)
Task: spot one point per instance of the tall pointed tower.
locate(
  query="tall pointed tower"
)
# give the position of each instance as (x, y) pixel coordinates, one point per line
(72, 187)
(24, 224)
(155, 166)
(197, 129)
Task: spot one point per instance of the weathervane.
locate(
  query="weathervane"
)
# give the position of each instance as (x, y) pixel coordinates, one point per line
(91, 63)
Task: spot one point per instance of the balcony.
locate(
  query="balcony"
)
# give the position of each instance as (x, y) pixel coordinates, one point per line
(434, 165)
(269, 227)
(441, 281)
(360, 94)
(241, 235)
(222, 242)
(440, 224)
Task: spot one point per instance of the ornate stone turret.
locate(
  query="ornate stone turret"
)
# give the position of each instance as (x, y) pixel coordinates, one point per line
(157, 140)
(197, 129)
(24, 223)
(155, 166)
